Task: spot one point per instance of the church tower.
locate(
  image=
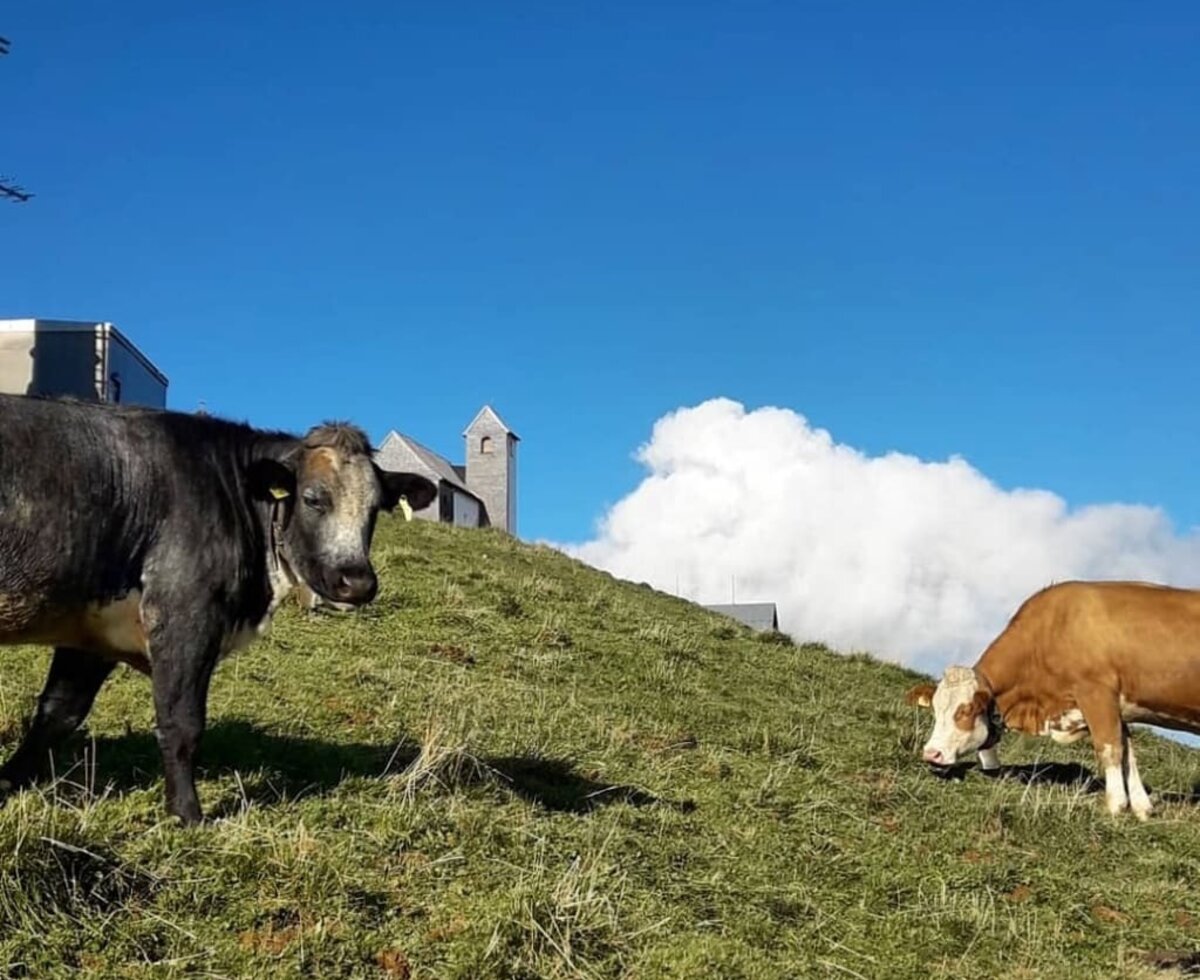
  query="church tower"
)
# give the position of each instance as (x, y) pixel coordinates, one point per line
(492, 467)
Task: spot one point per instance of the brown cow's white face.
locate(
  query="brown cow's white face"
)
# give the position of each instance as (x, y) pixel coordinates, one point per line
(334, 493)
(960, 716)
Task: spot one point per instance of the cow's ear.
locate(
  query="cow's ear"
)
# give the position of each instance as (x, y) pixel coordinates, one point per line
(981, 701)
(921, 696)
(270, 479)
(418, 491)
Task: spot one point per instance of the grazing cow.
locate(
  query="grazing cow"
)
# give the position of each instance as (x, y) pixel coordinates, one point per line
(166, 541)
(1077, 657)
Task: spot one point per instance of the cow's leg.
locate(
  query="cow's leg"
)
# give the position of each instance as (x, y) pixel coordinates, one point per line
(1102, 713)
(75, 678)
(180, 680)
(1139, 799)
(184, 641)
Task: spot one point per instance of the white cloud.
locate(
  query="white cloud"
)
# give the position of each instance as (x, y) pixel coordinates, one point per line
(921, 562)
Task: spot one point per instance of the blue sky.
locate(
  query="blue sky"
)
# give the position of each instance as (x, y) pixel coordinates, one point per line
(942, 228)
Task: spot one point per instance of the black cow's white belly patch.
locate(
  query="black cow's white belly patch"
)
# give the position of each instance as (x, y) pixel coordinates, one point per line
(112, 628)
(117, 626)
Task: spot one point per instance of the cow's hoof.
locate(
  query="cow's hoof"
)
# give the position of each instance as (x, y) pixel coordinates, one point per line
(187, 815)
(10, 786)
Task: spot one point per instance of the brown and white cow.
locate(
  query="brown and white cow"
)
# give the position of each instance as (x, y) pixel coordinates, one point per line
(1077, 657)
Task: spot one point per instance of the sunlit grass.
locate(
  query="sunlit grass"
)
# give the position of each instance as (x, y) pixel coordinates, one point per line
(514, 766)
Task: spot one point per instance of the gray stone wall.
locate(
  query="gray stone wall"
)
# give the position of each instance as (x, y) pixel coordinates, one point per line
(396, 457)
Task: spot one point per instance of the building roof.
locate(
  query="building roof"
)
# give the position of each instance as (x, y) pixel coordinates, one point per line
(486, 412)
(439, 465)
(37, 324)
(756, 615)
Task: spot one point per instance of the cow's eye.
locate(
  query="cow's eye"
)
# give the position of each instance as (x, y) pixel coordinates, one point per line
(315, 499)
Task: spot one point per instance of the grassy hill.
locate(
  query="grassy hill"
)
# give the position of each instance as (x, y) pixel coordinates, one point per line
(515, 766)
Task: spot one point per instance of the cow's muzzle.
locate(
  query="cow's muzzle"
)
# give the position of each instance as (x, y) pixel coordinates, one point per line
(935, 757)
(352, 585)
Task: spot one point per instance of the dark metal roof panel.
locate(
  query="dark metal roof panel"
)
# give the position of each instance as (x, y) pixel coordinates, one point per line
(756, 615)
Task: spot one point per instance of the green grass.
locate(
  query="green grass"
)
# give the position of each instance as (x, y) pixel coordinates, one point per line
(515, 766)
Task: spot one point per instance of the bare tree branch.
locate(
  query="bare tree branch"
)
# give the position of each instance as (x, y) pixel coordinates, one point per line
(8, 190)
(13, 192)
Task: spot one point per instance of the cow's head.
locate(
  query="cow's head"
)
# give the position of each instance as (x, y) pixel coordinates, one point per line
(963, 720)
(331, 491)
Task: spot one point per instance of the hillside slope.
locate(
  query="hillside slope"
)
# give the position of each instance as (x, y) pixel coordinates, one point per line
(515, 766)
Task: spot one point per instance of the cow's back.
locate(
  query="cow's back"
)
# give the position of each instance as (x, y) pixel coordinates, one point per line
(81, 493)
(1150, 637)
(1139, 640)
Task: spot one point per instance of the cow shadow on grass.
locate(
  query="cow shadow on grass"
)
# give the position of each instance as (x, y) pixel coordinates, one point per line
(1178, 962)
(272, 768)
(1175, 796)
(1075, 776)
(1068, 774)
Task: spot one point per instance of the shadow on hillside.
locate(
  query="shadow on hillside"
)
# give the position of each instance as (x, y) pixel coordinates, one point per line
(555, 785)
(1179, 962)
(272, 767)
(1170, 796)
(1070, 774)
(1033, 774)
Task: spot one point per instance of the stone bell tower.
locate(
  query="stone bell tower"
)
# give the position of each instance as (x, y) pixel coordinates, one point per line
(492, 467)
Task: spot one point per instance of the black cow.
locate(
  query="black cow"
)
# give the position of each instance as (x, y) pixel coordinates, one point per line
(166, 541)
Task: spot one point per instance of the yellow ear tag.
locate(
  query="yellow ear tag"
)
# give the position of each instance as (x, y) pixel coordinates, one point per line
(279, 493)
(406, 508)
